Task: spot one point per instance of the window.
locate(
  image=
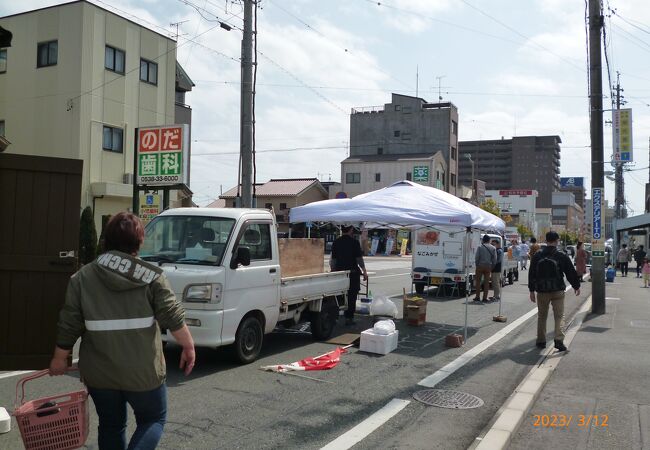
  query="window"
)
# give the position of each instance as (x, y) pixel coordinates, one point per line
(409, 176)
(2, 127)
(114, 59)
(148, 71)
(283, 206)
(112, 139)
(3, 60)
(377, 177)
(380, 150)
(453, 179)
(353, 178)
(453, 153)
(454, 128)
(257, 237)
(398, 107)
(397, 133)
(47, 54)
(268, 205)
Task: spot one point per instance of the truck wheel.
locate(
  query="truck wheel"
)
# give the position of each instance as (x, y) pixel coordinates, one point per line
(248, 340)
(324, 322)
(510, 278)
(419, 288)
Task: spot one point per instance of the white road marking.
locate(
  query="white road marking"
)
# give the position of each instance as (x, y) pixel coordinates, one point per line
(393, 275)
(363, 429)
(435, 378)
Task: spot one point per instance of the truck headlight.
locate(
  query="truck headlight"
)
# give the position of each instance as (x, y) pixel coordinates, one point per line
(198, 293)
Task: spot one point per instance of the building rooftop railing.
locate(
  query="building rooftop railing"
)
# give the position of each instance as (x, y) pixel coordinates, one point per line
(368, 109)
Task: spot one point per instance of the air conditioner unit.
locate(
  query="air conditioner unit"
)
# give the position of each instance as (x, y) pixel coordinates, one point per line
(127, 178)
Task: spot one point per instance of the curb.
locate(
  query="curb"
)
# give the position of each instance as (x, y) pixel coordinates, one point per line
(512, 414)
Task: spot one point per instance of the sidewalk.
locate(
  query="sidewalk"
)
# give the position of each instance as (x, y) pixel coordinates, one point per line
(595, 396)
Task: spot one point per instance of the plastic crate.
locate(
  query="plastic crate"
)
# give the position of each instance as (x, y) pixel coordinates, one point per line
(59, 426)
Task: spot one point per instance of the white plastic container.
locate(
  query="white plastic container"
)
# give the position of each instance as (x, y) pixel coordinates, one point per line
(5, 421)
(378, 343)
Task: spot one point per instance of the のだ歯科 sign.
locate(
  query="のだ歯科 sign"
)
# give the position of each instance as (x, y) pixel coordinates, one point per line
(161, 155)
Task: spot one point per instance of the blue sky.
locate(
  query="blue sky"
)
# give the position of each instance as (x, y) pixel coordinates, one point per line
(515, 67)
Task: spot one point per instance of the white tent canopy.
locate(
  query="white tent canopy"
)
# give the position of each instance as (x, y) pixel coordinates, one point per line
(403, 203)
(408, 205)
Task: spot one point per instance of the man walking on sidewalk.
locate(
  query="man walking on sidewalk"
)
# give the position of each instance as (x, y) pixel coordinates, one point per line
(623, 258)
(639, 256)
(486, 258)
(546, 277)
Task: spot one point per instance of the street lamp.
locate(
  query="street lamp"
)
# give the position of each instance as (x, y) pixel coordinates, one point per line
(469, 158)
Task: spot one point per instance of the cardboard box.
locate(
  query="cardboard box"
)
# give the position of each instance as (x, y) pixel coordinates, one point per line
(417, 301)
(378, 343)
(415, 311)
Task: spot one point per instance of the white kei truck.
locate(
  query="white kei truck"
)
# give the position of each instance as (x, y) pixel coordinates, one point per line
(438, 258)
(224, 266)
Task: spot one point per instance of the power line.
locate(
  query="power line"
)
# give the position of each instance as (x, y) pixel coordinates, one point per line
(444, 22)
(345, 49)
(508, 27)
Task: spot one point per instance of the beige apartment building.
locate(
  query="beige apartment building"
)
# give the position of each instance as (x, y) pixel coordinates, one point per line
(76, 82)
(360, 174)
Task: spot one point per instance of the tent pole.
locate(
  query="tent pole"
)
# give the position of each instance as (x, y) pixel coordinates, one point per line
(467, 286)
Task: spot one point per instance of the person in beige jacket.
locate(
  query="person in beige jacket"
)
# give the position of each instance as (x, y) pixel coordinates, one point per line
(117, 305)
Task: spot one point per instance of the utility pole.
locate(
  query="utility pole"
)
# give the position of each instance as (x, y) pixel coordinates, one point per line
(619, 181)
(597, 159)
(246, 119)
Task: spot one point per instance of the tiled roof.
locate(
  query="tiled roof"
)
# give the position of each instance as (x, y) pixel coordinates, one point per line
(286, 187)
(218, 203)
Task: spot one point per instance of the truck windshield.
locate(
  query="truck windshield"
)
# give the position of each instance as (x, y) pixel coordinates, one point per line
(186, 239)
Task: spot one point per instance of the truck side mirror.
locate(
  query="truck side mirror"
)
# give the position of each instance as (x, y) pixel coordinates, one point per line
(242, 257)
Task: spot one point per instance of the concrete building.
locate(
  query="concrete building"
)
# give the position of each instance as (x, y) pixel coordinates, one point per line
(519, 204)
(408, 132)
(368, 173)
(523, 162)
(280, 195)
(544, 220)
(567, 214)
(78, 80)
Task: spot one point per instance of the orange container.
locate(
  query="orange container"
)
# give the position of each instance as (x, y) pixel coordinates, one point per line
(57, 422)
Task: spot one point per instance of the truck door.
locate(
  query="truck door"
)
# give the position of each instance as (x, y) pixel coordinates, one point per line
(256, 286)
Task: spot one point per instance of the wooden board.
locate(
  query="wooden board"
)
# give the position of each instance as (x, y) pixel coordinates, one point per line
(301, 256)
(345, 339)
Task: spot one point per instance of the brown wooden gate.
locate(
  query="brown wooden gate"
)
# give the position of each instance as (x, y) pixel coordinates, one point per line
(40, 202)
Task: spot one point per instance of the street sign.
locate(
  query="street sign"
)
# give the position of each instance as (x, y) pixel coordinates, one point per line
(149, 207)
(572, 182)
(622, 134)
(162, 155)
(597, 243)
(421, 174)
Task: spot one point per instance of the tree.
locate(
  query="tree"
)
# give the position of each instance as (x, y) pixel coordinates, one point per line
(524, 231)
(491, 206)
(87, 237)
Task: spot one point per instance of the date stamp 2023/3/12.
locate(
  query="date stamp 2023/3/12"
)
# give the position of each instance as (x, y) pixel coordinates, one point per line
(568, 420)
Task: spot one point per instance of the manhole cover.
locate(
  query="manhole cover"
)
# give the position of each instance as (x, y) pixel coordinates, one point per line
(448, 399)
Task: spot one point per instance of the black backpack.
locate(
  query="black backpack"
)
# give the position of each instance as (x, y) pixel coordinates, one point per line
(549, 276)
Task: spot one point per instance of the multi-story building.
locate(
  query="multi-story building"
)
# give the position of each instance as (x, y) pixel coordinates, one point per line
(576, 185)
(567, 214)
(280, 195)
(407, 138)
(76, 82)
(523, 162)
(518, 204)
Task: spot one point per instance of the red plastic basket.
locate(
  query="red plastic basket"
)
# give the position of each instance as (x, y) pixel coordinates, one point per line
(63, 425)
